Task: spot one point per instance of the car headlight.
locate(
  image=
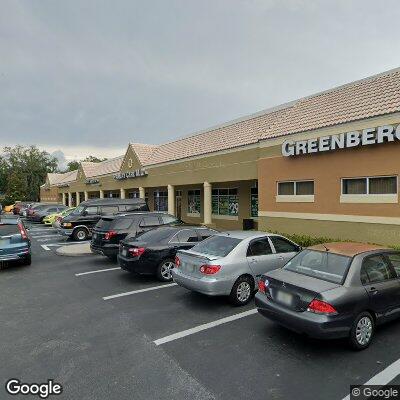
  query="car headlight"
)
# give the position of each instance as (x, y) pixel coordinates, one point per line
(67, 225)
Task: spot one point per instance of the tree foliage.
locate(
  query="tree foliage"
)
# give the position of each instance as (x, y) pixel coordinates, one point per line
(23, 170)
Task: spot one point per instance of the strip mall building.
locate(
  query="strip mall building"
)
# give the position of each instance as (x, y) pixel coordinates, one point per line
(324, 165)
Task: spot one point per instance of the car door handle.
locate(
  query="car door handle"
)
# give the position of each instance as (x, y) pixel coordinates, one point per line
(374, 290)
(280, 258)
(253, 260)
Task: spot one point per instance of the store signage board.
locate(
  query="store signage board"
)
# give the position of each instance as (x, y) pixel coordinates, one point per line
(366, 137)
(92, 181)
(63, 185)
(132, 174)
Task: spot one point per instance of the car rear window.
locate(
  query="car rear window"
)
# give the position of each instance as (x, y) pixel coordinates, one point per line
(8, 229)
(219, 246)
(104, 223)
(157, 235)
(122, 223)
(321, 265)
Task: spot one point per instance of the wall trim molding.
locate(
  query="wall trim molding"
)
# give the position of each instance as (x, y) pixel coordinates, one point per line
(332, 217)
(294, 198)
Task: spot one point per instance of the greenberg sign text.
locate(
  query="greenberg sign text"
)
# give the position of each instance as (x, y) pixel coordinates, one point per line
(366, 137)
(132, 174)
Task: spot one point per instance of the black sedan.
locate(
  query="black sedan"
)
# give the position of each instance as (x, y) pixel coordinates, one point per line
(153, 252)
(334, 290)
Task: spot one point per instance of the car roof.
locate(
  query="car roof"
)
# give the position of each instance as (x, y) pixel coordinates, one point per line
(111, 201)
(349, 249)
(9, 220)
(244, 234)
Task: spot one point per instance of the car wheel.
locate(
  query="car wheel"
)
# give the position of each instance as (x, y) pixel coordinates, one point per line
(242, 291)
(362, 331)
(80, 234)
(27, 260)
(164, 270)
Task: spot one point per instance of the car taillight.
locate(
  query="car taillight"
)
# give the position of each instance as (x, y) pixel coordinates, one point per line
(261, 286)
(321, 307)
(22, 231)
(209, 269)
(136, 251)
(109, 235)
(177, 262)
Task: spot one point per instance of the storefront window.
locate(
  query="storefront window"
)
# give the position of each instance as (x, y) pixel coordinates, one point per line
(194, 201)
(296, 188)
(254, 202)
(133, 195)
(370, 185)
(160, 201)
(225, 202)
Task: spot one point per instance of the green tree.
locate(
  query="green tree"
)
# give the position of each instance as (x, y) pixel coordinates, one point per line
(26, 169)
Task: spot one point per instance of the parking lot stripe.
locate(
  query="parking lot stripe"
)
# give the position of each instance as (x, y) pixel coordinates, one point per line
(384, 377)
(37, 237)
(203, 327)
(114, 296)
(45, 247)
(99, 270)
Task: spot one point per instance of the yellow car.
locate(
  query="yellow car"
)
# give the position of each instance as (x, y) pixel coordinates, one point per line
(50, 219)
(8, 208)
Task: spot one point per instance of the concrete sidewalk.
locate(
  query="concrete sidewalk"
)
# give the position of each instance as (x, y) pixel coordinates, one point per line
(74, 250)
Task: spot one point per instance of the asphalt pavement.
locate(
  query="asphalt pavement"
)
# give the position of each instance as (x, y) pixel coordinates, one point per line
(106, 334)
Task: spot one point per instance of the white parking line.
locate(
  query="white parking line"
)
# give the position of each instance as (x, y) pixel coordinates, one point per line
(47, 245)
(203, 327)
(114, 296)
(384, 377)
(38, 237)
(98, 270)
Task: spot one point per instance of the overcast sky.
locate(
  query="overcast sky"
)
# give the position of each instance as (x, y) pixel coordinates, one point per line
(87, 77)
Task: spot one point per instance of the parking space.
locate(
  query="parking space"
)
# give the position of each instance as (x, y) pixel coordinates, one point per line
(105, 333)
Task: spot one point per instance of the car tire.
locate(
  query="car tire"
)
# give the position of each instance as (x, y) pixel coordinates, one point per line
(164, 270)
(362, 331)
(80, 234)
(27, 260)
(242, 291)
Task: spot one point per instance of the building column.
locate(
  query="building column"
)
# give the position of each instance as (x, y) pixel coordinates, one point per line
(78, 198)
(207, 203)
(171, 200)
(123, 193)
(86, 195)
(142, 193)
(101, 194)
(64, 199)
(69, 199)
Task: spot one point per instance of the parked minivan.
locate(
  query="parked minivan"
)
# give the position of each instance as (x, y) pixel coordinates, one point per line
(80, 222)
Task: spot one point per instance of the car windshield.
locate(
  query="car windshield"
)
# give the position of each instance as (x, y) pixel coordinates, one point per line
(219, 246)
(8, 229)
(78, 210)
(322, 265)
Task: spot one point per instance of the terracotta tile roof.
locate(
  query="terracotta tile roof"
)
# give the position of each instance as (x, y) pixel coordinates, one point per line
(109, 166)
(370, 97)
(234, 134)
(68, 177)
(143, 151)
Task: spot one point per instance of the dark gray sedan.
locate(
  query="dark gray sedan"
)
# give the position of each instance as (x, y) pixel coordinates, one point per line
(334, 290)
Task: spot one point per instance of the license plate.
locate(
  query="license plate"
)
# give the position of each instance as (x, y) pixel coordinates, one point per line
(94, 235)
(284, 298)
(124, 252)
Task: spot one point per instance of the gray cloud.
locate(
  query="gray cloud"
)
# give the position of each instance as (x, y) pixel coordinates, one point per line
(101, 73)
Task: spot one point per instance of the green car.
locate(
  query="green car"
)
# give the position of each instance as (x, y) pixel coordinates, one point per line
(51, 218)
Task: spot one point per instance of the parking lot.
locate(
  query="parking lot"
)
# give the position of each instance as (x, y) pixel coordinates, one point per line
(106, 334)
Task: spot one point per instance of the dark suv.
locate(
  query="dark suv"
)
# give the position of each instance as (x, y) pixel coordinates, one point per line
(110, 230)
(81, 221)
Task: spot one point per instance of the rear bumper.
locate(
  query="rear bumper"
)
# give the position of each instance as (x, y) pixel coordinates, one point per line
(19, 254)
(206, 285)
(108, 250)
(137, 265)
(314, 325)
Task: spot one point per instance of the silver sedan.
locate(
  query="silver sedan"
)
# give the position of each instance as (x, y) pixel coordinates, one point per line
(230, 263)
